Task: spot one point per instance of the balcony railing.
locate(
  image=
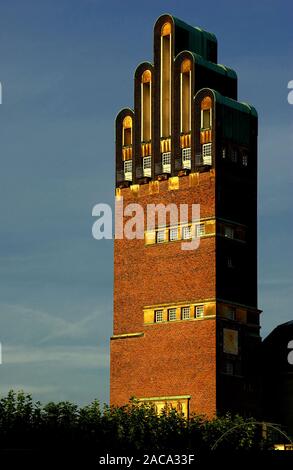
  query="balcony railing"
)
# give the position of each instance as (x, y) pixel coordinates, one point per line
(128, 170)
(166, 162)
(186, 158)
(207, 154)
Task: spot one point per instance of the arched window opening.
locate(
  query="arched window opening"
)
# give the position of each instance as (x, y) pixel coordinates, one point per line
(185, 113)
(146, 106)
(165, 85)
(206, 130)
(146, 122)
(206, 113)
(127, 147)
(185, 96)
(127, 131)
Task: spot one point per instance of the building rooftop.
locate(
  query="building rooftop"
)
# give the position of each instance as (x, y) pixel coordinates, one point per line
(192, 38)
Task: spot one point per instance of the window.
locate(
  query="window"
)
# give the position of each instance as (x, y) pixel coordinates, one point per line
(179, 408)
(128, 170)
(244, 159)
(185, 96)
(166, 162)
(229, 367)
(146, 106)
(127, 131)
(206, 118)
(186, 232)
(234, 155)
(230, 262)
(160, 236)
(199, 311)
(200, 230)
(173, 234)
(172, 314)
(230, 313)
(228, 231)
(224, 153)
(166, 79)
(147, 166)
(230, 341)
(158, 316)
(206, 113)
(186, 158)
(185, 313)
(207, 154)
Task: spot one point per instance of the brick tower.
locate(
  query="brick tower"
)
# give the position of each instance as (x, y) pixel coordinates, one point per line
(186, 322)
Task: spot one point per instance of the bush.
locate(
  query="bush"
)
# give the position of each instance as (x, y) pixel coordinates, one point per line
(135, 428)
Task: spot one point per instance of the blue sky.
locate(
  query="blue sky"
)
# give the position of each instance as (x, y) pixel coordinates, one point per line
(66, 68)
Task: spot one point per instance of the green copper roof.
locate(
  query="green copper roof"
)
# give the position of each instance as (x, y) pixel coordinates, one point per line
(197, 40)
(219, 68)
(195, 32)
(235, 117)
(193, 39)
(239, 106)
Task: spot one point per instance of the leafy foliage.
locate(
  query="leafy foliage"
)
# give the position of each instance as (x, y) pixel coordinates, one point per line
(135, 428)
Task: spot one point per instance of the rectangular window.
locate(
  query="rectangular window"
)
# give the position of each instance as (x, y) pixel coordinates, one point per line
(186, 158)
(165, 86)
(160, 238)
(244, 159)
(230, 262)
(172, 314)
(127, 137)
(185, 313)
(234, 155)
(229, 367)
(173, 234)
(228, 231)
(230, 313)
(158, 316)
(207, 154)
(147, 166)
(200, 230)
(146, 111)
(185, 101)
(230, 341)
(199, 311)
(128, 170)
(186, 232)
(224, 153)
(206, 118)
(166, 162)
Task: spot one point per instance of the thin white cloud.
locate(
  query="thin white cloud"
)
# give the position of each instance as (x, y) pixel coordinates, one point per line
(22, 325)
(74, 330)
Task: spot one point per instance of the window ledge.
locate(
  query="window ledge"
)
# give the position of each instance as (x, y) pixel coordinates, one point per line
(164, 322)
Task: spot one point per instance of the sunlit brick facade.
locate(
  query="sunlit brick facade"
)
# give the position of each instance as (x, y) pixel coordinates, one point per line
(186, 323)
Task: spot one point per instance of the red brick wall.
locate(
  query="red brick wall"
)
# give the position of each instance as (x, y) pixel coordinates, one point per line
(171, 359)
